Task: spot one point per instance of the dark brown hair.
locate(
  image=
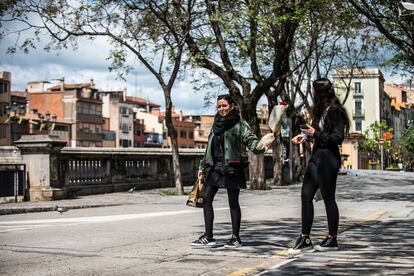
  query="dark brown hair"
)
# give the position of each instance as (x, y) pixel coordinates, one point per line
(226, 97)
(324, 98)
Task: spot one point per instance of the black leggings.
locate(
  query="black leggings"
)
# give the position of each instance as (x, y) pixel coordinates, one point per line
(235, 212)
(321, 173)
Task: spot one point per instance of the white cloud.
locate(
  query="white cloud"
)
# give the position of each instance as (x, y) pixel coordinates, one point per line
(89, 62)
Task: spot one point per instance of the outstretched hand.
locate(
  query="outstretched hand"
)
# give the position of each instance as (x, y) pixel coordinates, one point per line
(299, 139)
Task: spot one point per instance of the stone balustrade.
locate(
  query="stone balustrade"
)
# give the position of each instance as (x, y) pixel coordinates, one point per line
(55, 171)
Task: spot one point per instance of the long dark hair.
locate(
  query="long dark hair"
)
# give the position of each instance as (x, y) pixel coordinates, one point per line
(324, 97)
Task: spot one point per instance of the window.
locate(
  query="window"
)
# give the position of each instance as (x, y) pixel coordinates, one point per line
(124, 111)
(358, 125)
(358, 88)
(183, 134)
(358, 107)
(125, 128)
(3, 131)
(1, 87)
(404, 97)
(124, 143)
(191, 135)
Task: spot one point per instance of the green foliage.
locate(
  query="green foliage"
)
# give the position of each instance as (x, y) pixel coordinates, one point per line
(370, 143)
(394, 23)
(170, 193)
(407, 148)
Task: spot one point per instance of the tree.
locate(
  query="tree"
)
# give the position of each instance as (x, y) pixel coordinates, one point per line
(247, 45)
(370, 143)
(133, 27)
(407, 148)
(398, 28)
(328, 39)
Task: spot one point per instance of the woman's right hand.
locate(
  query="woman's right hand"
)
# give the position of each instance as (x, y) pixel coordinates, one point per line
(299, 139)
(200, 174)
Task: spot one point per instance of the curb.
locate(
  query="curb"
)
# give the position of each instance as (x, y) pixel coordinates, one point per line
(21, 210)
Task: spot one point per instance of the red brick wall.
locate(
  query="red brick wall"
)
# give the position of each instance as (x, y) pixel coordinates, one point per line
(49, 101)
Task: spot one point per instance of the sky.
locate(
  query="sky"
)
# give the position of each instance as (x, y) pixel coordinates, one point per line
(89, 61)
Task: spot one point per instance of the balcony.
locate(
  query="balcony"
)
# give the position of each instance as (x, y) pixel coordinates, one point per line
(358, 94)
(358, 114)
(89, 118)
(82, 136)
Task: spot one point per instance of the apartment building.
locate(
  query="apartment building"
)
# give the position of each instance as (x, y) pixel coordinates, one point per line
(5, 80)
(153, 128)
(79, 105)
(108, 136)
(203, 125)
(121, 117)
(366, 102)
(402, 102)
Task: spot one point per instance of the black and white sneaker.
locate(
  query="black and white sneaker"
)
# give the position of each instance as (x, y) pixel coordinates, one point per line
(303, 243)
(204, 241)
(330, 243)
(234, 242)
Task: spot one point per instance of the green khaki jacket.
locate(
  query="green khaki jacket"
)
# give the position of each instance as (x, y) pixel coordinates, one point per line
(236, 140)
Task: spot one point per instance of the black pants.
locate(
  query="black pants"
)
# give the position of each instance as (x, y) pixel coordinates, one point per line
(321, 173)
(235, 212)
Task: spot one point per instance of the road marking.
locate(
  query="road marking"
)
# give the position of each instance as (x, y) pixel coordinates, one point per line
(263, 266)
(25, 224)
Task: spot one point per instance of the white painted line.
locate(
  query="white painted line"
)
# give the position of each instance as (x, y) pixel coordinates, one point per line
(279, 265)
(97, 219)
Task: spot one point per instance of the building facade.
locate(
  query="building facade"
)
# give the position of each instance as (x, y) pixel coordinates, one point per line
(5, 80)
(366, 103)
(79, 105)
(153, 128)
(203, 125)
(121, 117)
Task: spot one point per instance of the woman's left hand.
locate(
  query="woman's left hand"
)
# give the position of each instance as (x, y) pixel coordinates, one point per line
(308, 131)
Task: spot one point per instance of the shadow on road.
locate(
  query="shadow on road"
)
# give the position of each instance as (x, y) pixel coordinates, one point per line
(381, 248)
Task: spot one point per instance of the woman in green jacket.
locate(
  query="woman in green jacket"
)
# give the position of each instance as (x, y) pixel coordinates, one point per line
(223, 166)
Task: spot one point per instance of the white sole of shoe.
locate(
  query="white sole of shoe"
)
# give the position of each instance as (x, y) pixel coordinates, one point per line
(230, 246)
(325, 249)
(294, 252)
(202, 245)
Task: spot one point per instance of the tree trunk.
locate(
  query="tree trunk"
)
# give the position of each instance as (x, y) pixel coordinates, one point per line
(277, 162)
(256, 167)
(297, 164)
(172, 133)
(257, 171)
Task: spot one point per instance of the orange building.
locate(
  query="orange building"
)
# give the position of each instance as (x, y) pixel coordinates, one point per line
(76, 104)
(185, 130)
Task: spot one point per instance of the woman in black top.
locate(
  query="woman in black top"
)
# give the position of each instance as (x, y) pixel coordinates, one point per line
(329, 124)
(223, 164)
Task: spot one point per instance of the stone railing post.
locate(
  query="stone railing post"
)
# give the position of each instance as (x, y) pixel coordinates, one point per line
(41, 153)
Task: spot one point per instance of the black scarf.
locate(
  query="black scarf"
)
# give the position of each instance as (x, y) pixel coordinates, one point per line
(221, 124)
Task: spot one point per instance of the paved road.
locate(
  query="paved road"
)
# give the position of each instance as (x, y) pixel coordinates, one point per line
(150, 234)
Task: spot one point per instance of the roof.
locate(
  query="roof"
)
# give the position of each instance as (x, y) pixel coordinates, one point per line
(18, 93)
(141, 101)
(72, 86)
